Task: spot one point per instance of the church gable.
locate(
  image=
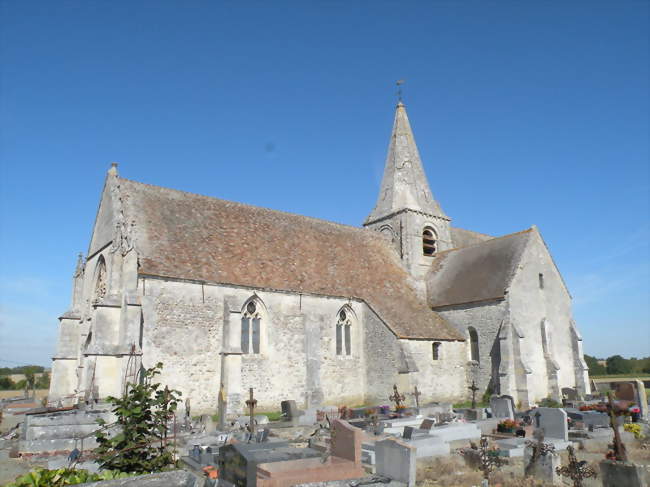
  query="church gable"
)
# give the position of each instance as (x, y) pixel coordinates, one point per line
(104, 227)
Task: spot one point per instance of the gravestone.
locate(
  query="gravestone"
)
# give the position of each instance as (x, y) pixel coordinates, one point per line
(553, 421)
(570, 393)
(544, 466)
(346, 441)
(396, 459)
(642, 399)
(427, 424)
(502, 407)
(625, 391)
(289, 410)
(408, 432)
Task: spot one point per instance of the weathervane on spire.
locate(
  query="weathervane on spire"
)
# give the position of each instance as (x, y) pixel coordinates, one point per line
(399, 84)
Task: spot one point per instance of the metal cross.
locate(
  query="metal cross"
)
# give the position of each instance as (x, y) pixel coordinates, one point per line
(399, 84)
(539, 449)
(575, 470)
(473, 388)
(251, 403)
(417, 395)
(397, 398)
(490, 459)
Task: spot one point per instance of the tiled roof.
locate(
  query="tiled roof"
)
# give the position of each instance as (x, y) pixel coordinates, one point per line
(187, 236)
(480, 272)
(464, 238)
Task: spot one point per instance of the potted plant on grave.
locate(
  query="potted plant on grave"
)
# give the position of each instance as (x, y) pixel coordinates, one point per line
(507, 426)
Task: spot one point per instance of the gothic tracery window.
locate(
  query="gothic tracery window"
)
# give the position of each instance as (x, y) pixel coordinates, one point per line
(251, 327)
(428, 241)
(343, 332)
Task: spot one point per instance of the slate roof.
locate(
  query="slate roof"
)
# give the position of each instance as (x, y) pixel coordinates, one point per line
(479, 272)
(188, 236)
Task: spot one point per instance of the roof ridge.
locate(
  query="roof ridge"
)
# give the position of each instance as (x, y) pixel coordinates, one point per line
(485, 241)
(238, 203)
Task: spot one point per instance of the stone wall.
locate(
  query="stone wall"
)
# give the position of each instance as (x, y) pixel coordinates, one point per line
(535, 307)
(486, 318)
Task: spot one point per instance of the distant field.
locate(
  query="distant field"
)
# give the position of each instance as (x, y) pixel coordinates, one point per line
(40, 393)
(621, 376)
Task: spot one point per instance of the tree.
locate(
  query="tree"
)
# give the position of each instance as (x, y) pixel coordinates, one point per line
(594, 367)
(618, 365)
(43, 382)
(143, 414)
(6, 384)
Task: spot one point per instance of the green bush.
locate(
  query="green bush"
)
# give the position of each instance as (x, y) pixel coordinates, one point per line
(549, 402)
(42, 477)
(142, 416)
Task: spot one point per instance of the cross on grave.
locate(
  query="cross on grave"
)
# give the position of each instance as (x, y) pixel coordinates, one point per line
(251, 403)
(575, 470)
(397, 398)
(490, 459)
(539, 449)
(473, 388)
(417, 395)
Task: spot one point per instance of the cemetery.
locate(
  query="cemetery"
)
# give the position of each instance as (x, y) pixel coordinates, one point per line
(595, 440)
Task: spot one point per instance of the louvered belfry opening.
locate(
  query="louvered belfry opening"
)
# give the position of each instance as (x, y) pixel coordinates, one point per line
(428, 242)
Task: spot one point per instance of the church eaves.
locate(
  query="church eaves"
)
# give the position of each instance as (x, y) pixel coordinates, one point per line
(186, 236)
(404, 185)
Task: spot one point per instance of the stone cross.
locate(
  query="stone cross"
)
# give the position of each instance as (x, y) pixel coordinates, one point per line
(251, 403)
(417, 395)
(397, 398)
(473, 388)
(575, 470)
(620, 453)
(490, 459)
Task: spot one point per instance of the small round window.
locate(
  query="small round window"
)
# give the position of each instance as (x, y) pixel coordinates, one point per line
(250, 307)
(342, 315)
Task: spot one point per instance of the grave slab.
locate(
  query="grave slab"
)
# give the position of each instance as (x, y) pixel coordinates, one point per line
(396, 460)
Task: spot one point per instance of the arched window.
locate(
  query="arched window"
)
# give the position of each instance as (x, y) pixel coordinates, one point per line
(428, 241)
(344, 331)
(100, 279)
(251, 325)
(435, 350)
(473, 343)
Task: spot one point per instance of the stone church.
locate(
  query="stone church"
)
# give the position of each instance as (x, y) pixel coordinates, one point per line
(311, 310)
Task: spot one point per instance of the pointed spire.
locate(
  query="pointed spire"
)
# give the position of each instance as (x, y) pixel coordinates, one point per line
(404, 185)
(79, 269)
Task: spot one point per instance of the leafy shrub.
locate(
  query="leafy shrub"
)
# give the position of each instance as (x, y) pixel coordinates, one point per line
(143, 414)
(42, 477)
(549, 402)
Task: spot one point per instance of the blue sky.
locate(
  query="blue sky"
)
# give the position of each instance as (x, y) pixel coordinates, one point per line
(524, 113)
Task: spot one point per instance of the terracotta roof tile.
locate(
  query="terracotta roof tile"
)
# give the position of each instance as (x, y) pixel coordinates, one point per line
(188, 236)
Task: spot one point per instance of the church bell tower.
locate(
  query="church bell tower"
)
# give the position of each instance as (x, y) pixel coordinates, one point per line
(406, 212)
